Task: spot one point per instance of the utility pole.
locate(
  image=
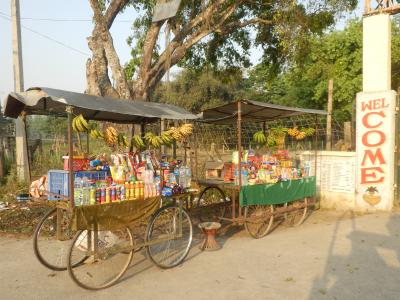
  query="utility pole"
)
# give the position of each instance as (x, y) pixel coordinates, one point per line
(20, 126)
(329, 117)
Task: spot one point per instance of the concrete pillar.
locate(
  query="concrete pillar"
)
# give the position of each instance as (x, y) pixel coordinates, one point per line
(376, 112)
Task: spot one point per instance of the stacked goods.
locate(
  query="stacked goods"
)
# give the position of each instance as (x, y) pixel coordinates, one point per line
(267, 168)
(229, 172)
(125, 175)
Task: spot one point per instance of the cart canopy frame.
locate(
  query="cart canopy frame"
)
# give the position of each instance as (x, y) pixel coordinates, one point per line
(49, 101)
(252, 111)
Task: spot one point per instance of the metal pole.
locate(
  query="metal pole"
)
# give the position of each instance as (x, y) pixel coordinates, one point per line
(329, 117)
(21, 146)
(69, 111)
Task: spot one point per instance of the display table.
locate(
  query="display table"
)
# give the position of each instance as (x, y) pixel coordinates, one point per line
(278, 193)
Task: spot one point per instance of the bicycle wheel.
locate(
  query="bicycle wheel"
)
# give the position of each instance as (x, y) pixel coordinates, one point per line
(50, 247)
(168, 247)
(214, 202)
(258, 220)
(106, 257)
(296, 217)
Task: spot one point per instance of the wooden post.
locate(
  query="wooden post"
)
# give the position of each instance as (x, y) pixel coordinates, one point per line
(329, 117)
(69, 111)
(174, 143)
(239, 136)
(162, 129)
(348, 134)
(2, 171)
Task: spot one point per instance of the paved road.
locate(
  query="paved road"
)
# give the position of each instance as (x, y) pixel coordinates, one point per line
(331, 256)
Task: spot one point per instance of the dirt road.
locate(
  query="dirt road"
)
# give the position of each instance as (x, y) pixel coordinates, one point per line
(331, 256)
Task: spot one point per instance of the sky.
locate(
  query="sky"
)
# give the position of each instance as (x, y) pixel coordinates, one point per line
(47, 63)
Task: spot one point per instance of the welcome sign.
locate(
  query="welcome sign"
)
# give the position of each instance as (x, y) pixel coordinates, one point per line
(376, 129)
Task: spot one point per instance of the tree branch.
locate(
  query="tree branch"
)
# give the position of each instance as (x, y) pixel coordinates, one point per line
(113, 9)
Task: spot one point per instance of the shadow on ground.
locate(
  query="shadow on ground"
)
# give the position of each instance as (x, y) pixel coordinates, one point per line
(369, 270)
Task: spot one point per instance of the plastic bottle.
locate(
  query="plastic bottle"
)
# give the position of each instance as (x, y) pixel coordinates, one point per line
(92, 199)
(127, 192)
(122, 193)
(108, 195)
(132, 191)
(77, 192)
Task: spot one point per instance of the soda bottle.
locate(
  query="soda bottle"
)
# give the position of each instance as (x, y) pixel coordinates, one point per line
(113, 194)
(126, 188)
(122, 193)
(132, 191)
(102, 195)
(92, 199)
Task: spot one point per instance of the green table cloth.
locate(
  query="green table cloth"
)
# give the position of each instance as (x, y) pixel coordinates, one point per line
(278, 193)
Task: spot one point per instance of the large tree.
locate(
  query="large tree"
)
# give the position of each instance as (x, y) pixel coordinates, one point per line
(212, 32)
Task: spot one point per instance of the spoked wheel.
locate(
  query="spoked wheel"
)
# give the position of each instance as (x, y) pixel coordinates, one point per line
(258, 220)
(214, 202)
(106, 255)
(52, 239)
(170, 235)
(296, 216)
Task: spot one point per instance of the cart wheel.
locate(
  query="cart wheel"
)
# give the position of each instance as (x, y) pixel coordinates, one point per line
(105, 259)
(258, 220)
(168, 248)
(212, 195)
(296, 217)
(50, 249)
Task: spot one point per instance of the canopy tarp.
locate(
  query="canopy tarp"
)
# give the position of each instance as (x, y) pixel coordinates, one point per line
(252, 111)
(48, 101)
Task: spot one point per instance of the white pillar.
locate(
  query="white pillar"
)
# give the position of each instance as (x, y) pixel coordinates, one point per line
(376, 111)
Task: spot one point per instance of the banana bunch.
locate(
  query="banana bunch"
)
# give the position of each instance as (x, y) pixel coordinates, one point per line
(293, 131)
(111, 135)
(138, 142)
(309, 131)
(301, 135)
(79, 124)
(260, 138)
(271, 140)
(94, 133)
(122, 140)
(175, 133)
(186, 129)
(153, 140)
(166, 138)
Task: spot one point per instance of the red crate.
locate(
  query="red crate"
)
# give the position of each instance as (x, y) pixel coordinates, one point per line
(78, 164)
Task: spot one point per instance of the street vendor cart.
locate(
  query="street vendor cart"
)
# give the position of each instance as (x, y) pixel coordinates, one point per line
(95, 241)
(256, 205)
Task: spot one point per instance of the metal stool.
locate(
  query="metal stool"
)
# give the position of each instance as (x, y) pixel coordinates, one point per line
(210, 231)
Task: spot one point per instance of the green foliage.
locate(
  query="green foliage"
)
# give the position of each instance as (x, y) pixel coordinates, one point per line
(196, 91)
(287, 26)
(304, 82)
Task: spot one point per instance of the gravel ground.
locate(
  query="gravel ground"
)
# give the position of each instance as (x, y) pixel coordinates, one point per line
(332, 256)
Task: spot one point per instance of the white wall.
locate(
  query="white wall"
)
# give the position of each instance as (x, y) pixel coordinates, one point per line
(336, 183)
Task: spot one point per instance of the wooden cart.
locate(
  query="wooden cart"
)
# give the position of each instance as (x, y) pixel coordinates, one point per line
(257, 218)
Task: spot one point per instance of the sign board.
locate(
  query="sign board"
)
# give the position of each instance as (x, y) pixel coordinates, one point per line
(335, 171)
(375, 150)
(165, 9)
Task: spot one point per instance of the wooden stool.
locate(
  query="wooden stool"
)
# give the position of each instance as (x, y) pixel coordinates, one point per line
(210, 231)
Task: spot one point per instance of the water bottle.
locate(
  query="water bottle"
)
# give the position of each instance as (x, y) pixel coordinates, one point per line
(77, 192)
(188, 177)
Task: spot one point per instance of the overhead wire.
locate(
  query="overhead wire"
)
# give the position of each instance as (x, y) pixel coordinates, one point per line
(8, 18)
(65, 20)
